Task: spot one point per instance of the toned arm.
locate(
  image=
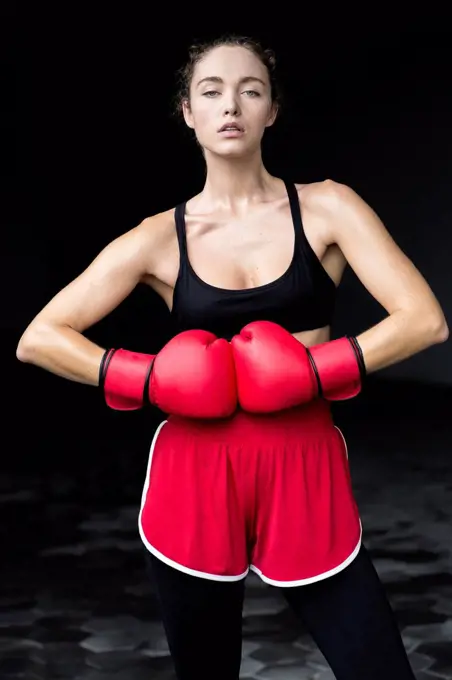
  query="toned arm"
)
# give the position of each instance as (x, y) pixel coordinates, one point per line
(54, 340)
(415, 319)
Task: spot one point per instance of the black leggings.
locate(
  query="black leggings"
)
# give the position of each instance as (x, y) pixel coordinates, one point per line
(348, 616)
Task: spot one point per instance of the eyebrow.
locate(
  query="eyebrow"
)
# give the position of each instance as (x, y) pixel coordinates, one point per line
(217, 79)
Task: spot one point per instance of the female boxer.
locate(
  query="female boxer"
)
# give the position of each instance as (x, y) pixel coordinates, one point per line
(249, 471)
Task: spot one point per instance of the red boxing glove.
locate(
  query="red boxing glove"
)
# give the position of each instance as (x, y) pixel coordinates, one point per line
(192, 376)
(339, 368)
(274, 371)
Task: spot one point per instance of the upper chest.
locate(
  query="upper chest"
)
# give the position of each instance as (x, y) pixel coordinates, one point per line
(240, 242)
(238, 251)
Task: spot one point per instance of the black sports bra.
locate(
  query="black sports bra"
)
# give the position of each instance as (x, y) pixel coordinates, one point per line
(302, 299)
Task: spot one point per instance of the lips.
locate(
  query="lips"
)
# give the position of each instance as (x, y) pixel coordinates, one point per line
(231, 127)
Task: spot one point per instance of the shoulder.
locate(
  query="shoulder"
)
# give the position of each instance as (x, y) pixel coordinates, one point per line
(157, 226)
(327, 195)
(333, 205)
(153, 231)
(145, 242)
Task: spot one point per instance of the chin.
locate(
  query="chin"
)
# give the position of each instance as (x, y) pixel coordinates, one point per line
(232, 153)
(232, 149)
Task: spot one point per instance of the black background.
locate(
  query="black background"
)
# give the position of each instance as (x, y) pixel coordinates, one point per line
(90, 148)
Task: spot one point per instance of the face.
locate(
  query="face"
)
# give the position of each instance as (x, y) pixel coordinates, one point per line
(230, 101)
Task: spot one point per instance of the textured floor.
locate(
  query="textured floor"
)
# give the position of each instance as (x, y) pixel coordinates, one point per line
(75, 602)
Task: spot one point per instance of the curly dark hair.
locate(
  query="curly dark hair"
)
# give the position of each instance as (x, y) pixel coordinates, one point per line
(199, 50)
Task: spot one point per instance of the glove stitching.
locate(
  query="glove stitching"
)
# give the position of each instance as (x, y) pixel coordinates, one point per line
(104, 364)
(359, 356)
(146, 399)
(316, 373)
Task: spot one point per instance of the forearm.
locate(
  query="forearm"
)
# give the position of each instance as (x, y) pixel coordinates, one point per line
(63, 351)
(339, 365)
(394, 339)
(192, 376)
(400, 336)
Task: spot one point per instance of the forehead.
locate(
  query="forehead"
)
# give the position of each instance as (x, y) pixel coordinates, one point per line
(230, 63)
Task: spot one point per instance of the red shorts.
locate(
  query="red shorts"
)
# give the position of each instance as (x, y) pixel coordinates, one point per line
(267, 493)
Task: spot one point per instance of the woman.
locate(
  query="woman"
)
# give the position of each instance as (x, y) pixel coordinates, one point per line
(249, 470)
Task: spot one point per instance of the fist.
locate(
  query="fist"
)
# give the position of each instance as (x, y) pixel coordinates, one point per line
(273, 369)
(194, 376)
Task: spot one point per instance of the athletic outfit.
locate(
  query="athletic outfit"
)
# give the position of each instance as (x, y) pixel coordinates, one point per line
(268, 492)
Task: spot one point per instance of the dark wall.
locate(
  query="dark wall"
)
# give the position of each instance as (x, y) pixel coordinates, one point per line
(91, 149)
(95, 149)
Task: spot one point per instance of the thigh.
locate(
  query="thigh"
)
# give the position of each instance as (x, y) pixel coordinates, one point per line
(202, 620)
(351, 620)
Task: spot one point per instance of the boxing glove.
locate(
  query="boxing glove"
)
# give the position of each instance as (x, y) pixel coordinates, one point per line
(339, 368)
(274, 370)
(192, 376)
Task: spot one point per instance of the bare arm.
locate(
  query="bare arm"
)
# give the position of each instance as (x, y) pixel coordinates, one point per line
(54, 340)
(415, 319)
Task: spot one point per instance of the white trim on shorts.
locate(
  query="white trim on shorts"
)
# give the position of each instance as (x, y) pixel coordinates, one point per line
(152, 549)
(326, 574)
(312, 579)
(220, 577)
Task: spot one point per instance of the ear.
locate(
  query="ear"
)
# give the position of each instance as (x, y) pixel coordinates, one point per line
(272, 115)
(186, 110)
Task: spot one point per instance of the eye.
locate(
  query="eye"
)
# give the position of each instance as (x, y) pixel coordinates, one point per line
(252, 93)
(210, 93)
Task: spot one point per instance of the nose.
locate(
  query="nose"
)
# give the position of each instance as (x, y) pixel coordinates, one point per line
(231, 106)
(232, 111)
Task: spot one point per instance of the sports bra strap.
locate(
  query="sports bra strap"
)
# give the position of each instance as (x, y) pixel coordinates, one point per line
(179, 216)
(295, 211)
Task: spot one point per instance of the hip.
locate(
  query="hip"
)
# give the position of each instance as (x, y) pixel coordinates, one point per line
(308, 423)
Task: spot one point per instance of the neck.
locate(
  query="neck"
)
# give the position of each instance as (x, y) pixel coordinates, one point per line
(235, 183)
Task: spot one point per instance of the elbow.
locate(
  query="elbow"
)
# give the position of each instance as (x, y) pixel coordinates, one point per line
(424, 328)
(437, 330)
(442, 331)
(20, 352)
(29, 344)
(26, 348)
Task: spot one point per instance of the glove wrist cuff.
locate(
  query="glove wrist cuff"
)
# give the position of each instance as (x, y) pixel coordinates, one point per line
(124, 378)
(359, 356)
(339, 368)
(103, 368)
